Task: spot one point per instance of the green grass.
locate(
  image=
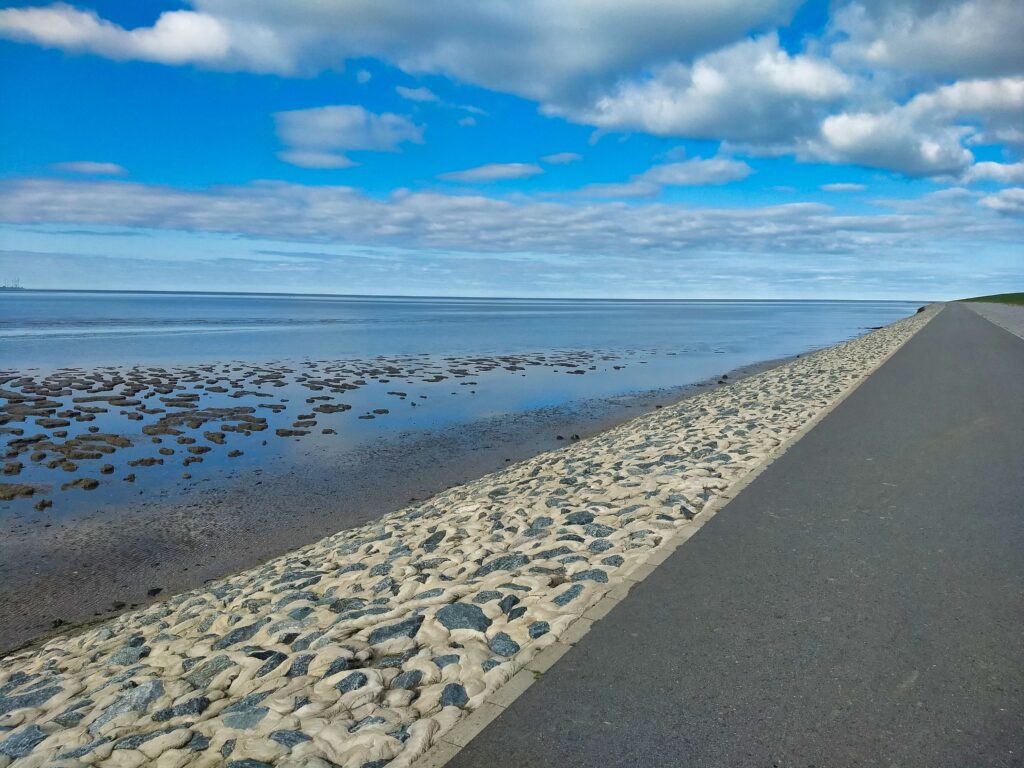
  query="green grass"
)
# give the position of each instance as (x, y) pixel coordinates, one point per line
(1001, 298)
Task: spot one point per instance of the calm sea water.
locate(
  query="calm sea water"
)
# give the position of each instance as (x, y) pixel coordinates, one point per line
(53, 329)
(611, 348)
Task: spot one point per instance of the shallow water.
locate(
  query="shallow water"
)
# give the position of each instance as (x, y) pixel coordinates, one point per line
(429, 363)
(49, 329)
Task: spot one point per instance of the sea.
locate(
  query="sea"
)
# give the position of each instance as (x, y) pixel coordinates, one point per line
(49, 329)
(404, 368)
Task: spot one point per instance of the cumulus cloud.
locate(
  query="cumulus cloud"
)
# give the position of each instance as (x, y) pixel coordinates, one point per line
(535, 48)
(177, 37)
(703, 69)
(319, 137)
(843, 187)
(1002, 173)
(925, 136)
(694, 172)
(91, 167)
(416, 94)
(493, 172)
(1009, 202)
(892, 140)
(561, 158)
(947, 38)
(750, 92)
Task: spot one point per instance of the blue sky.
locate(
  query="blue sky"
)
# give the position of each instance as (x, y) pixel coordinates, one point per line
(750, 148)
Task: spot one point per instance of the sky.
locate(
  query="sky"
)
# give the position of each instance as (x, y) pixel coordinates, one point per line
(580, 148)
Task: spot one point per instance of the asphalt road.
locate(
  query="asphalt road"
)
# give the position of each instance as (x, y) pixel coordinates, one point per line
(860, 604)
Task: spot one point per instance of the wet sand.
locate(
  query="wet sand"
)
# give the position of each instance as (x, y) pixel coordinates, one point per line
(56, 574)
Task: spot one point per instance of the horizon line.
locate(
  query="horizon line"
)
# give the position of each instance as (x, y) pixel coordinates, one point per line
(430, 296)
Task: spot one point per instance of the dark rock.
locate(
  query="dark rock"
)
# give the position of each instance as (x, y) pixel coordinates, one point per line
(486, 596)
(201, 677)
(503, 563)
(454, 695)
(191, 707)
(289, 738)
(407, 628)
(570, 594)
(515, 613)
(539, 628)
(579, 518)
(198, 743)
(32, 699)
(300, 666)
(21, 742)
(271, 663)
(463, 616)
(508, 603)
(134, 700)
(444, 661)
(503, 645)
(338, 665)
(353, 682)
(594, 574)
(430, 543)
(408, 679)
(128, 655)
(239, 635)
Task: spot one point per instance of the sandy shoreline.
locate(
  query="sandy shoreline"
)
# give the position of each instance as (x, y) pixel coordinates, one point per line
(361, 649)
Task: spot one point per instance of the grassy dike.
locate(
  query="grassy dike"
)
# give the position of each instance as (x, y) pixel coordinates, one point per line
(1001, 298)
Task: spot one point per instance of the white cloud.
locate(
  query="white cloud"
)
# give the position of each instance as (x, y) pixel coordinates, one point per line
(694, 172)
(705, 69)
(892, 140)
(925, 136)
(494, 172)
(944, 38)
(315, 159)
(535, 48)
(363, 76)
(478, 224)
(416, 94)
(318, 137)
(1002, 173)
(1009, 202)
(177, 37)
(467, 122)
(843, 187)
(91, 167)
(752, 91)
(561, 158)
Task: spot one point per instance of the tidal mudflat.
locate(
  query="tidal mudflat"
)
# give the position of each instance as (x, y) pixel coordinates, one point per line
(361, 649)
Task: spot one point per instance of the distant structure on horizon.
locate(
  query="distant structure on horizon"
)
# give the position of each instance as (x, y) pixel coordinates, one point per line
(15, 286)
